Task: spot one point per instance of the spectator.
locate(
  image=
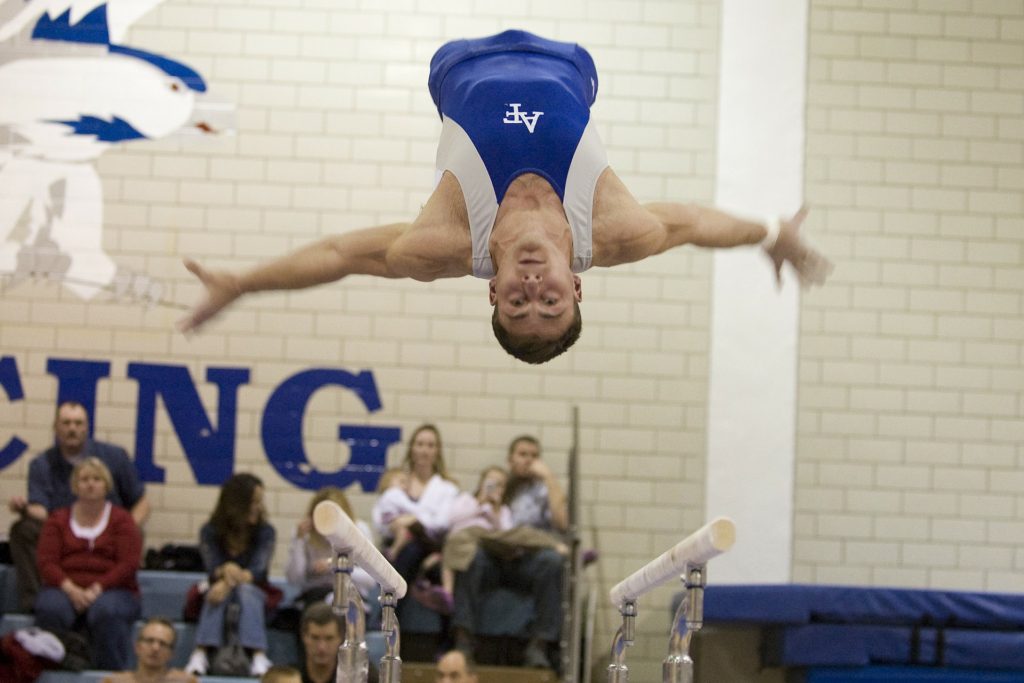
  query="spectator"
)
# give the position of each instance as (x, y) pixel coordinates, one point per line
(154, 648)
(472, 515)
(393, 502)
(427, 501)
(310, 555)
(236, 544)
(533, 493)
(537, 502)
(454, 667)
(88, 557)
(321, 636)
(281, 674)
(49, 476)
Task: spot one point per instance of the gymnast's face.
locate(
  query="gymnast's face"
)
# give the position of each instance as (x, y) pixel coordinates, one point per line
(534, 295)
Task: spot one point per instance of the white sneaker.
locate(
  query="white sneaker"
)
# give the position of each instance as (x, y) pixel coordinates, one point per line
(260, 664)
(198, 663)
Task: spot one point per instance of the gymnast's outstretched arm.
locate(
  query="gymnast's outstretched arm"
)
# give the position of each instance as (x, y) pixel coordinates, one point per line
(626, 231)
(327, 260)
(435, 245)
(422, 251)
(705, 227)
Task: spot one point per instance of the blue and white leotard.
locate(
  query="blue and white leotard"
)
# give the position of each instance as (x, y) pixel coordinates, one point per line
(511, 104)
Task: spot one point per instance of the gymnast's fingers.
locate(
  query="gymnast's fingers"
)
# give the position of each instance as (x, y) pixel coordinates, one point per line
(219, 292)
(813, 268)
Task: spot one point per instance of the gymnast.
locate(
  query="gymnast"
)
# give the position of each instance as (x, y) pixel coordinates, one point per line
(524, 198)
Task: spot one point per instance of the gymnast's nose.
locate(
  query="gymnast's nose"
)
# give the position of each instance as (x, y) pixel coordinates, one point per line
(532, 283)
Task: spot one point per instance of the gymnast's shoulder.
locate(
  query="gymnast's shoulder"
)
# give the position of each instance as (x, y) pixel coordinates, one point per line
(623, 230)
(437, 244)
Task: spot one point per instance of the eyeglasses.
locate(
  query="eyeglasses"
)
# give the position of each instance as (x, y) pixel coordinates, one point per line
(156, 641)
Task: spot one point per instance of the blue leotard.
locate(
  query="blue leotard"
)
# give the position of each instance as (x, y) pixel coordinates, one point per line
(511, 104)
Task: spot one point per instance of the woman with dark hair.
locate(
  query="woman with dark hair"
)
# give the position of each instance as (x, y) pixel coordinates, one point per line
(88, 557)
(236, 544)
(424, 501)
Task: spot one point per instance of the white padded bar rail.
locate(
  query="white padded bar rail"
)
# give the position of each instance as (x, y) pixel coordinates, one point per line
(711, 540)
(334, 525)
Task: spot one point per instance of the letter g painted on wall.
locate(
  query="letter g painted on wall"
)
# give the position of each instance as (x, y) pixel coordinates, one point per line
(282, 431)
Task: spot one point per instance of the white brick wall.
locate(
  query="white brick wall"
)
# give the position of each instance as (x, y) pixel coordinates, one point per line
(923, 101)
(911, 418)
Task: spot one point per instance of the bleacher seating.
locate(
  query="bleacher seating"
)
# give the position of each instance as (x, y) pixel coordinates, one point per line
(421, 672)
(163, 594)
(8, 589)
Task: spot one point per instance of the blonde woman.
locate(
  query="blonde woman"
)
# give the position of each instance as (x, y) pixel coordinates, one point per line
(427, 496)
(310, 555)
(88, 557)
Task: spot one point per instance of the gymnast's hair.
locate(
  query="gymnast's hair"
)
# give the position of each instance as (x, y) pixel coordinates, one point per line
(531, 349)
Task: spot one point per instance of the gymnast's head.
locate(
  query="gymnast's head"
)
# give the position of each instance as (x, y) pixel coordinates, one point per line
(536, 299)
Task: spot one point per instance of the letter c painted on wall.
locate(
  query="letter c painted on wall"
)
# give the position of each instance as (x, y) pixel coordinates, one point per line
(11, 383)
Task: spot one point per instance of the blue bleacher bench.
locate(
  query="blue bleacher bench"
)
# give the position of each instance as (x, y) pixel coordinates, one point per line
(163, 594)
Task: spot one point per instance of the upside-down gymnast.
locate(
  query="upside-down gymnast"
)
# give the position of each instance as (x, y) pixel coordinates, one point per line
(525, 198)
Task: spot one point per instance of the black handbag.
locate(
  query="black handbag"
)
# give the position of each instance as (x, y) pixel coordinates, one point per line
(230, 659)
(174, 557)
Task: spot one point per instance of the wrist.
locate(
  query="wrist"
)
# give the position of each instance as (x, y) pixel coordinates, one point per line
(772, 226)
(237, 285)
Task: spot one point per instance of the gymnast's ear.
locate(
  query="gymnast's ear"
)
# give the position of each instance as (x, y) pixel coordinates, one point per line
(492, 292)
(577, 287)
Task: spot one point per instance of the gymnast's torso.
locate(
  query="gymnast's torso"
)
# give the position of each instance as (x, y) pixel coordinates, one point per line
(515, 105)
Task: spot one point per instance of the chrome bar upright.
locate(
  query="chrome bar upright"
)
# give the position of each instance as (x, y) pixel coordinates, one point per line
(689, 618)
(391, 662)
(618, 672)
(353, 658)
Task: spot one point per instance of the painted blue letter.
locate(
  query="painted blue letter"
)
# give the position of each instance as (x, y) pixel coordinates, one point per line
(210, 452)
(76, 381)
(282, 431)
(11, 383)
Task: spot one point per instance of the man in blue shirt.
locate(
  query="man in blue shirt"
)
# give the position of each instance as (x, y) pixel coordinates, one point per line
(524, 198)
(49, 488)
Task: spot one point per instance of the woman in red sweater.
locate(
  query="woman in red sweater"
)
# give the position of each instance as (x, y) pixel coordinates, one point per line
(88, 556)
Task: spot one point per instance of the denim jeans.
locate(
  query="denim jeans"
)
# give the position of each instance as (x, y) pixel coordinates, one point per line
(538, 573)
(252, 630)
(109, 621)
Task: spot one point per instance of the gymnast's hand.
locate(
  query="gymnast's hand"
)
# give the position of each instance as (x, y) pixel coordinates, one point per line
(810, 264)
(222, 289)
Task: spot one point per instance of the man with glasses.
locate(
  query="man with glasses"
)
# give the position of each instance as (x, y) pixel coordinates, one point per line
(154, 648)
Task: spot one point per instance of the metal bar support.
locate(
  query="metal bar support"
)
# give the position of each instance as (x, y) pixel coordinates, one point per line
(353, 660)
(391, 662)
(689, 618)
(618, 672)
